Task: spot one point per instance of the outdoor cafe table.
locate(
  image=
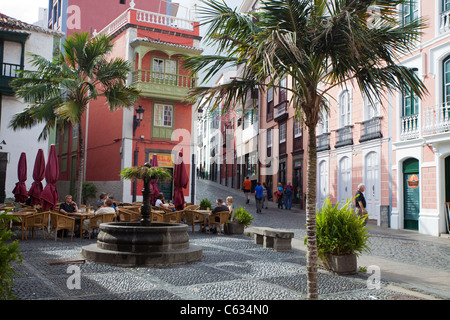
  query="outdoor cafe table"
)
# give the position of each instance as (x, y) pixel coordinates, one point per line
(206, 214)
(21, 215)
(82, 216)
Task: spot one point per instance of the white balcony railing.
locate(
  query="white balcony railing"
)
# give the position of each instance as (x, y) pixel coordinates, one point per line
(436, 119)
(164, 20)
(409, 127)
(445, 21)
(147, 17)
(431, 120)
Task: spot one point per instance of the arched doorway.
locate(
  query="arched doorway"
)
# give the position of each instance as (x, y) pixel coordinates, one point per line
(344, 180)
(322, 183)
(411, 194)
(372, 183)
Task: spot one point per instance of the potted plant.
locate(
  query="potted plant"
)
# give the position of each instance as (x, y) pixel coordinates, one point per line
(341, 236)
(89, 191)
(241, 220)
(205, 204)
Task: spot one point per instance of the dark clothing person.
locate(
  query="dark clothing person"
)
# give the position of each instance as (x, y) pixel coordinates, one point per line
(220, 208)
(360, 204)
(360, 198)
(69, 208)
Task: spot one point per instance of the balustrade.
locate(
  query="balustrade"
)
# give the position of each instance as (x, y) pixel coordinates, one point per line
(436, 119)
(409, 128)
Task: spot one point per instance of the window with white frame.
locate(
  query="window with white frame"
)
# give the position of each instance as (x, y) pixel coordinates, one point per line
(372, 107)
(282, 133)
(163, 115)
(445, 5)
(282, 91)
(297, 128)
(164, 68)
(322, 126)
(344, 109)
(269, 138)
(269, 104)
(410, 11)
(447, 81)
(75, 130)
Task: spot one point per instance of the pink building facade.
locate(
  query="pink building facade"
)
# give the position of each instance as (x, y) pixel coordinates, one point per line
(400, 147)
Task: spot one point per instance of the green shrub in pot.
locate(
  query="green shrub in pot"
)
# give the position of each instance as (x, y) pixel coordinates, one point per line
(339, 231)
(243, 217)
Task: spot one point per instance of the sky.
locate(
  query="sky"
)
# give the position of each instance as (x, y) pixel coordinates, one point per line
(28, 10)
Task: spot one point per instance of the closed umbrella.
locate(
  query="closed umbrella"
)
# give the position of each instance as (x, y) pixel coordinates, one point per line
(38, 175)
(20, 190)
(154, 189)
(49, 196)
(180, 182)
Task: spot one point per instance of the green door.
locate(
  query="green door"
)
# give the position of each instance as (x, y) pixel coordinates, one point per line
(411, 194)
(447, 179)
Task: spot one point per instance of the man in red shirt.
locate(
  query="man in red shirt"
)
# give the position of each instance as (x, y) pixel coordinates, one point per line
(247, 187)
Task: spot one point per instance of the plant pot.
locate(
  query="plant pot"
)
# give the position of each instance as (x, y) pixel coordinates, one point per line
(344, 264)
(234, 228)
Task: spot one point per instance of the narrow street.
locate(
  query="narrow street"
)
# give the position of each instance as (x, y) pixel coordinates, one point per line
(404, 256)
(293, 220)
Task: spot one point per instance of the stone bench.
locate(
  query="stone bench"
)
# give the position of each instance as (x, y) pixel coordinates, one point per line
(279, 240)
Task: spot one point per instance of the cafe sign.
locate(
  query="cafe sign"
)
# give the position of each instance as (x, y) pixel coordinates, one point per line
(413, 181)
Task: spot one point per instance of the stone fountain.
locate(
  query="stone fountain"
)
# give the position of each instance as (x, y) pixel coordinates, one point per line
(144, 243)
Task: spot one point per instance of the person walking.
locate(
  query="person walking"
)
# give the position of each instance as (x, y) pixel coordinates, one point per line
(265, 196)
(258, 197)
(279, 195)
(247, 187)
(288, 192)
(360, 202)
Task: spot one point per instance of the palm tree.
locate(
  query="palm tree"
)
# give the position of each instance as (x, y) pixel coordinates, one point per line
(320, 44)
(58, 91)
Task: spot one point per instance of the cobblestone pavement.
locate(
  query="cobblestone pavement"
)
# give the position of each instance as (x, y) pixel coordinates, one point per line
(232, 268)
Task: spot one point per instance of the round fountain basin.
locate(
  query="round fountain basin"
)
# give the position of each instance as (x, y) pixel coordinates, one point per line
(130, 244)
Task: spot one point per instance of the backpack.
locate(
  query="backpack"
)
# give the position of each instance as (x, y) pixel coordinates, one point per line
(288, 191)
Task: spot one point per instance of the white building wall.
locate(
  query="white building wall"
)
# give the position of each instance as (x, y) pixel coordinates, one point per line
(22, 140)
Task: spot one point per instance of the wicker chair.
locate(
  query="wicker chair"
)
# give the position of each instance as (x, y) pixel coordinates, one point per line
(174, 217)
(166, 210)
(126, 215)
(38, 220)
(192, 218)
(218, 219)
(156, 217)
(132, 208)
(192, 207)
(59, 221)
(94, 222)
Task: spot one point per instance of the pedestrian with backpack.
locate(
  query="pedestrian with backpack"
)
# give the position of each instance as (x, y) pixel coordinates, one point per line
(288, 192)
(279, 195)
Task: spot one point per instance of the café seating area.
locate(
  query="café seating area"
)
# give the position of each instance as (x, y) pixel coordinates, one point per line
(51, 223)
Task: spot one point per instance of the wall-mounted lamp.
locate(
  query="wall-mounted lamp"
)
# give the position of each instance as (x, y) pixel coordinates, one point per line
(137, 118)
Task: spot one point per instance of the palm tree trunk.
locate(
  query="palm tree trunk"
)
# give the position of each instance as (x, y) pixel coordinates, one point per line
(81, 165)
(311, 171)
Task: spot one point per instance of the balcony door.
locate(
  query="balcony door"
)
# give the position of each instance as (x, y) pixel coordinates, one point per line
(322, 183)
(372, 183)
(344, 180)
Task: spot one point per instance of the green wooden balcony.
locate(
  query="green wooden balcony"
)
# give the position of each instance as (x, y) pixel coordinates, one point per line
(8, 72)
(162, 85)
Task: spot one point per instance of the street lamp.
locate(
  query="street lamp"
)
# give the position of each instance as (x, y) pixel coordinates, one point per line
(137, 118)
(146, 208)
